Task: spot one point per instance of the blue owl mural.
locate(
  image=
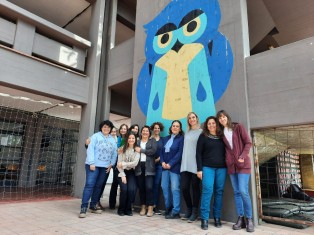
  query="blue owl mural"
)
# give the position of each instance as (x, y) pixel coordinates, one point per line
(188, 62)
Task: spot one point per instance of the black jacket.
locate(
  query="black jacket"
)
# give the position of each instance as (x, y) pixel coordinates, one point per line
(150, 151)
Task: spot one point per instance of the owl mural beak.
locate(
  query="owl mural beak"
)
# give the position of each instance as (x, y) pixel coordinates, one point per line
(177, 46)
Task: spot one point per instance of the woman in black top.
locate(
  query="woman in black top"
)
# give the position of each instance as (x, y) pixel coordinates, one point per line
(211, 169)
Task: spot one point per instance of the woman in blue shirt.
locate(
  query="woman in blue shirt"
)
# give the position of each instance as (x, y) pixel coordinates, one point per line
(101, 156)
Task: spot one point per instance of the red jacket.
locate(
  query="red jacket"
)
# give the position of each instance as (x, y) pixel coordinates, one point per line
(241, 147)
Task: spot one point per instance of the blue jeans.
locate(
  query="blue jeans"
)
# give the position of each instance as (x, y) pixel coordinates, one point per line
(157, 182)
(240, 184)
(93, 185)
(170, 183)
(213, 181)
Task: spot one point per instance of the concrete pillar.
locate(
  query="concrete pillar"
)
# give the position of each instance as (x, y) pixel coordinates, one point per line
(88, 125)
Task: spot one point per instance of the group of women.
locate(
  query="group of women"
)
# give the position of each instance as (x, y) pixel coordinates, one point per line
(195, 163)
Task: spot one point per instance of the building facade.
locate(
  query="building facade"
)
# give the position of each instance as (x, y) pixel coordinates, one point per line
(82, 66)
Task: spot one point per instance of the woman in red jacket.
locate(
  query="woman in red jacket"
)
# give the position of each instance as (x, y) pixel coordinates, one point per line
(238, 144)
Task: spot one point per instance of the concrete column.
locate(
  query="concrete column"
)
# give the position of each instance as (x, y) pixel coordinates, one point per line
(24, 37)
(87, 125)
(113, 22)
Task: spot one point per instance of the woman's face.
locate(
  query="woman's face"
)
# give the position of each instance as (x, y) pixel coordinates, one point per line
(223, 120)
(131, 140)
(145, 133)
(211, 126)
(156, 130)
(114, 132)
(175, 128)
(192, 119)
(135, 130)
(105, 129)
(123, 130)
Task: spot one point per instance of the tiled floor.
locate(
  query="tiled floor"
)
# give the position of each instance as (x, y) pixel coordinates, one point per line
(61, 217)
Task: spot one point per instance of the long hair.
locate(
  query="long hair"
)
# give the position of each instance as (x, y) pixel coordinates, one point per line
(181, 132)
(229, 122)
(205, 128)
(122, 125)
(132, 127)
(187, 119)
(126, 145)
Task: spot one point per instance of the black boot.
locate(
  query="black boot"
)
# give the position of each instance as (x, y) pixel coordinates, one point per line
(194, 215)
(187, 214)
(240, 223)
(217, 222)
(204, 224)
(249, 225)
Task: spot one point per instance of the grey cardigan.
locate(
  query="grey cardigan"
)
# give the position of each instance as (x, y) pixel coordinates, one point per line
(150, 151)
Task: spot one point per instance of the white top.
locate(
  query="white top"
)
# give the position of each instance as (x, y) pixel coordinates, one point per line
(143, 155)
(228, 134)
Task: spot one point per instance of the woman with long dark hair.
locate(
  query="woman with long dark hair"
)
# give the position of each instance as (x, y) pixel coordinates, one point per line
(211, 169)
(238, 144)
(127, 161)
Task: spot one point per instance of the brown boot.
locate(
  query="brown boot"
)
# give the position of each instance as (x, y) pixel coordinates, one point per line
(150, 211)
(143, 210)
(240, 223)
(249, 225)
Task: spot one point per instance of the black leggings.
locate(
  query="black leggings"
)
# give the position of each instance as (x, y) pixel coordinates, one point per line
(145, 186)
(190, 179)
(114, 188)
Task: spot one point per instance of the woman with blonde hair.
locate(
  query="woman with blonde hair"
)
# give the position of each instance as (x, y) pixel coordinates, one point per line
(188, 169)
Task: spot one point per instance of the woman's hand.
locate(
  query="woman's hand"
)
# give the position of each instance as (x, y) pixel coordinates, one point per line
(92, 167)
(200, 175)
(120, 150)
(108, 169)
(157, 159)
(119, 165)
(123, 178)
(165, 166)
(240, 159)
(138, 149)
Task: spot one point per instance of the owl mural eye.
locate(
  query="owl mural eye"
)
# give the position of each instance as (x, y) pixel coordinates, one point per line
(165, 38)
(192, 26)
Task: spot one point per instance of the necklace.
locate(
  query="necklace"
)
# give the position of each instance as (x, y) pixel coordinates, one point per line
(213, 136)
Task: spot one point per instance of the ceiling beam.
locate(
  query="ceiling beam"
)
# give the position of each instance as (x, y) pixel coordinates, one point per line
(91, 1)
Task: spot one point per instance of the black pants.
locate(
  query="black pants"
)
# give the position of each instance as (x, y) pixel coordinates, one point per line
(103, 187)
(145, 186)
(113, 189)
(190, 179)
(127, 193)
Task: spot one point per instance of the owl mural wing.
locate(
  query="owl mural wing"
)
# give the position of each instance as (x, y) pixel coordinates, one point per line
(143, 88)
(220, 64)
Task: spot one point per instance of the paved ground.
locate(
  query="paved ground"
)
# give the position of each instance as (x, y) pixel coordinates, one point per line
(61, 217)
